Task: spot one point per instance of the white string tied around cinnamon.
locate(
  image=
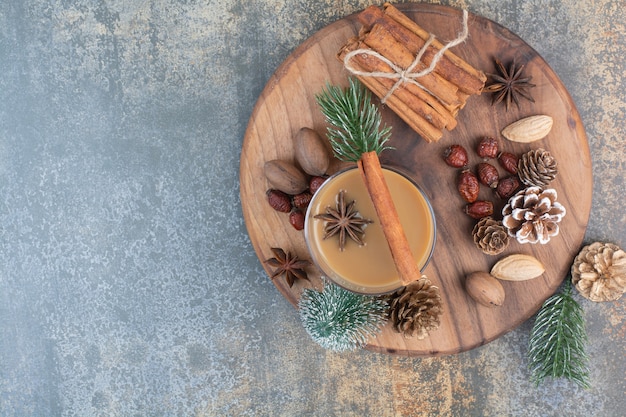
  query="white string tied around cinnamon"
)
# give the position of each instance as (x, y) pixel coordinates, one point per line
(406, 75)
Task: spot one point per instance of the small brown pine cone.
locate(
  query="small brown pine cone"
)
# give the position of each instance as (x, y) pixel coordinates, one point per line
(599, 272)
(415, 310)
(490, 236)
(537, 168)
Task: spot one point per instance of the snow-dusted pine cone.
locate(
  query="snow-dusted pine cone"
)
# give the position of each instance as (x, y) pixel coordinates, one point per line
(533, 215)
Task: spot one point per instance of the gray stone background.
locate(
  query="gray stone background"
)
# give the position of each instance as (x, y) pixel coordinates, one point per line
(128, 284)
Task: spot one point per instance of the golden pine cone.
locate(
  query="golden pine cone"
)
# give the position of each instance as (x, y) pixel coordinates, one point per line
(416, 308)
(490, 236)
(599, 272)
(532, 215)
(537, 168)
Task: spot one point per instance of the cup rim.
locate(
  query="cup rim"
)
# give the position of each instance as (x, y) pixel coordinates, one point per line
(362, 289)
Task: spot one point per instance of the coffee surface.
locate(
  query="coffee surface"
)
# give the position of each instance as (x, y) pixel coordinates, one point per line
(370, 267)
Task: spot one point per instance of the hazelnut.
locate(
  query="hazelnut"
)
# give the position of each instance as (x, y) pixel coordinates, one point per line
(455, 156)
(285, 176)
(487, 147)
(484, 289)
(488, 174)
(508, 162)
(311, 152)
(468, 186)
(479, 209)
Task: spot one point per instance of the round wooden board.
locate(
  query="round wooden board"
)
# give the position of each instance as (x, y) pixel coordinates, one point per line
(288, 103)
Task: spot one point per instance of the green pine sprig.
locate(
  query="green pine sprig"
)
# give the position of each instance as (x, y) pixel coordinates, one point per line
(356, 123)
(557, 341)
(340, 320)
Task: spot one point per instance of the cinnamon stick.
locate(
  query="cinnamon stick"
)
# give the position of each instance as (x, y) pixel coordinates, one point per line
(405, 21)
(415, 121)
(381, 41)
(415, 97)
(372, 174)
(391, 44)
(468, 82)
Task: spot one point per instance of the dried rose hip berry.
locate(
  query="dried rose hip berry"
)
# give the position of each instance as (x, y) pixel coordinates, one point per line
(508, 161)
(455, 156)
(302, 200)
(315, 183)
(507, 187)
(279, 201)
(487, 147)
(488, 174)
(468, 186)
(479, 209)
(296, 219)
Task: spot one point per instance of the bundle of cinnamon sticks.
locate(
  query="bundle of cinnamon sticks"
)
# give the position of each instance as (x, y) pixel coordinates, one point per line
(431, 103)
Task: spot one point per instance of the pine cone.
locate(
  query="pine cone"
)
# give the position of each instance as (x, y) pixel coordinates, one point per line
(416, 308)
(490, 236)
(532, 215)
(599, 272)
(537, 168)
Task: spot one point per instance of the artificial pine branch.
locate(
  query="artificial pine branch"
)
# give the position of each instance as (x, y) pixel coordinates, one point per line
(355, 121)
(557, 340)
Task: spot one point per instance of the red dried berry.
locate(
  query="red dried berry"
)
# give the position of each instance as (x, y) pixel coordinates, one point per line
(302, 200)
(479, 209)
(296, 219)
(315, 183)
(507, 187)
(279, 201)
(508, 162)
(487, 147)
(455, 156)
(488, 174)
(468, 186)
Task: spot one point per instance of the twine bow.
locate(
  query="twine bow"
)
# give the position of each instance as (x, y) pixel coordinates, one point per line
(406, 75)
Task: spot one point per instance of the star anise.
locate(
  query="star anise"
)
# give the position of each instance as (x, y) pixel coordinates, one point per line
(288, 265)
(509, 86)
(343, 220)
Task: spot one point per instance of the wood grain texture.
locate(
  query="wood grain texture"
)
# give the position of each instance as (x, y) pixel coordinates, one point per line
(288, 103)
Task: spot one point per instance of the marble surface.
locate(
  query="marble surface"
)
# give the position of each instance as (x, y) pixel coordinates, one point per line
(128, 285)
